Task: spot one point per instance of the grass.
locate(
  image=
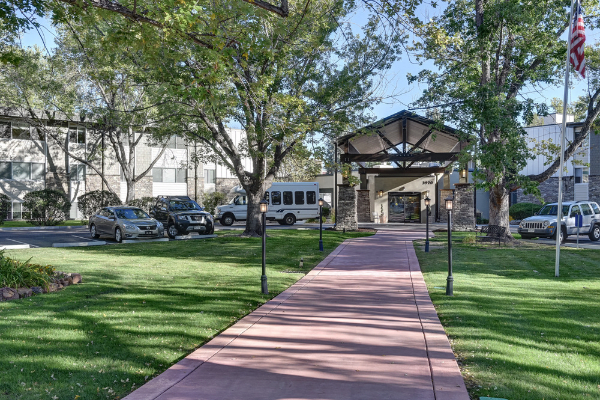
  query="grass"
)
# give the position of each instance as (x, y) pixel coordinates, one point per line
(141, 308)
(519, 332)
(23, 224)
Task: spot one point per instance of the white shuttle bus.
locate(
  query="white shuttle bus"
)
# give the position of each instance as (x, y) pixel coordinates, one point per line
(288, 202)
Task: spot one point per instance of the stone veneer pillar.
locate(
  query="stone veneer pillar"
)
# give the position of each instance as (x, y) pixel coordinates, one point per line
(463, 215)
(346, 218)
(363, 206)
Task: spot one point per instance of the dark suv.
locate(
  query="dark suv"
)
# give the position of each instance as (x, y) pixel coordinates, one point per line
(181, 215)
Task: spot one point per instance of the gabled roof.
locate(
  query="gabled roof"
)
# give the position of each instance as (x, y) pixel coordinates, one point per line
(410, 137)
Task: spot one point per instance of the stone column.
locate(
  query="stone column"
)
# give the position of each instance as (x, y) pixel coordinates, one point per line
(463, 215)
(363, 206)
(346, 218)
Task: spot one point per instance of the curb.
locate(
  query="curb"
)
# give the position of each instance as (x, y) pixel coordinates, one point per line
(44, 228)
(189, 237)
(130, 241)
(15, 246)
(79, 244)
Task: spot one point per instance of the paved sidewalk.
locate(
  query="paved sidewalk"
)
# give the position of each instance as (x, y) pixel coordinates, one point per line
(359, 326)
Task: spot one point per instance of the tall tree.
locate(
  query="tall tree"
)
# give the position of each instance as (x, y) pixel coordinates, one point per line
(488, 54)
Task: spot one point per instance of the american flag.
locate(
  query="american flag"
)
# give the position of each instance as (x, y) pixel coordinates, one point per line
(577, 55)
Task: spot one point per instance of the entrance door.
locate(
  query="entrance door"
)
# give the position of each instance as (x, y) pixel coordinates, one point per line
(404, 207)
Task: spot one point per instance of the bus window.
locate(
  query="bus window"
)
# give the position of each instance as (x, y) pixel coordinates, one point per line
(299, 197)
(275, 198)
(311, 198)
(288, 199)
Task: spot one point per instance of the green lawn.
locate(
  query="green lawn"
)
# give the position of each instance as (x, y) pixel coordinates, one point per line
(519, 332)
(141, 308)
(22, 224)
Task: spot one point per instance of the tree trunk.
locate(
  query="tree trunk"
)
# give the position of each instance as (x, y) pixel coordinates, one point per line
(499, 208)
(254, 218)
(130, 191)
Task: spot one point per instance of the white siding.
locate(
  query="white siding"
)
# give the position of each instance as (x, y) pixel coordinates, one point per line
(172, 158)
(538, 134)
(169, 189)
(581, 191)
(16, 189)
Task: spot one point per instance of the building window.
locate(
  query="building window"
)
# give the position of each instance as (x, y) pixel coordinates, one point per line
(77, 173)
(5, 130)
(77, 134)
(578, 175)
(209, 176)
(20, 212)
(176, 142)
(169, 175)
(21, 170)
(21, 130)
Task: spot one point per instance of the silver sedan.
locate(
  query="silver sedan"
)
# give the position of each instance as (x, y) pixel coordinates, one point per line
(124, 222)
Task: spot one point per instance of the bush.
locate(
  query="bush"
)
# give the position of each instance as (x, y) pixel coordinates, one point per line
(46, 207)
(4, 207)
(523, 210)
(15, 274)
(212, 200)
(145, 203)
(91, 202)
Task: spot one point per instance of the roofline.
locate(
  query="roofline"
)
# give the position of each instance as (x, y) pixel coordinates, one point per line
(396, 117)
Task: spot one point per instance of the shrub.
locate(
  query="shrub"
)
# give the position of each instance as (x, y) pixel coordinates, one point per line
(212, 200)
(523, 210)
(145, 203)
(4, 207)
(46, 207)
(15, 274)
(91, 202)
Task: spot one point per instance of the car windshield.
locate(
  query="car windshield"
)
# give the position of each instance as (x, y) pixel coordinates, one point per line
(130, 213)
(550, 209)
(184, 205)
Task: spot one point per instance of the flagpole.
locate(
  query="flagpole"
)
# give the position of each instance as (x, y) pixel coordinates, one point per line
(562, 147)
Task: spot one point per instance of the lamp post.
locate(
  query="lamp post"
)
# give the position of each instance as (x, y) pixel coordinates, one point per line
(321, 202)
(450, 279)
(427, 204)
(263, 279)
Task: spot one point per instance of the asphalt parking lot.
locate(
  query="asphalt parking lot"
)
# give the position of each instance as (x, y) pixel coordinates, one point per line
(79, 235)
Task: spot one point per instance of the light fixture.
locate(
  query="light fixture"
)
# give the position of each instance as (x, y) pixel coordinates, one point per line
(427, 201)
(380, 193)
(263, 206)
(449, 203)
(321, 202)
(463, 173)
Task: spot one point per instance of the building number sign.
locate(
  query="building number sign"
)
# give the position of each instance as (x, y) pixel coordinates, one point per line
(428, 182)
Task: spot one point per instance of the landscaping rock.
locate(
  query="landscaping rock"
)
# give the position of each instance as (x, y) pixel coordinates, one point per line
(76, 278)
(9, 294)
(52, 287)
(37, 290)
(24, 292)
(69, 279)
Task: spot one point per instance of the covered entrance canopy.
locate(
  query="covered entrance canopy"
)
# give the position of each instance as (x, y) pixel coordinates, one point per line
(417, 146)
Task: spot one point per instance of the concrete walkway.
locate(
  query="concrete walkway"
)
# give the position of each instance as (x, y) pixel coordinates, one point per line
(359, 326)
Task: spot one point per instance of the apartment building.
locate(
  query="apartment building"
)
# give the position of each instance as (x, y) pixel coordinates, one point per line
(33, 157)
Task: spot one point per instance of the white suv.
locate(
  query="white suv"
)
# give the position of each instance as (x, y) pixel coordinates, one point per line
(543, 224)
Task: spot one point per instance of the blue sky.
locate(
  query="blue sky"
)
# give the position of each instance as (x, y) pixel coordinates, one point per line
(394, 81)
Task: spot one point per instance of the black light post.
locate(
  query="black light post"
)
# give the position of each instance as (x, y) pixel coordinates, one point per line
(427, 203)
(450, 279)
(321, 202)
(263, 279)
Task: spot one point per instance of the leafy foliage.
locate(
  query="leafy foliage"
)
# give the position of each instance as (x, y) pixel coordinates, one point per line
(145, 203)
(91, 202)
(16, 274)
(4, 207)
(212, 200)
(523, 210)
(47, 207)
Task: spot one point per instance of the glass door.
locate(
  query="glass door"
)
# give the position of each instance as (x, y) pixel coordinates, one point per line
(404, 207)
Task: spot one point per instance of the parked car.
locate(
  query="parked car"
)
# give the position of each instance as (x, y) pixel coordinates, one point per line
(543, 224)
(124, 222)
(182, 215)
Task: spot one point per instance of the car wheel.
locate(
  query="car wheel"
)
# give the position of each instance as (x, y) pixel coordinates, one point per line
(227, 220)
(289, 219)
(93, 232)
(563, 235)
(118, 235)
(595, 233)
(172, 231)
